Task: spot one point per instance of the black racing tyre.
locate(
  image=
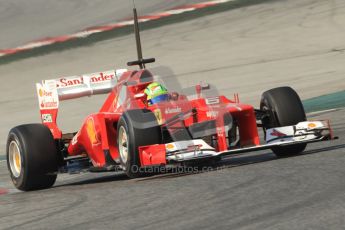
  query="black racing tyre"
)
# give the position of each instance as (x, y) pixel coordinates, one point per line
(136, 128)
(284, 108)
(32, 157)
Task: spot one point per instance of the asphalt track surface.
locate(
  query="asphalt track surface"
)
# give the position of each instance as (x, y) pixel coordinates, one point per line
(22, 21)
(248, 50)
(251, 191)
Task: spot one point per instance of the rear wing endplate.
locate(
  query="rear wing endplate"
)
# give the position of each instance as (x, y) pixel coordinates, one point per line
(51, 92)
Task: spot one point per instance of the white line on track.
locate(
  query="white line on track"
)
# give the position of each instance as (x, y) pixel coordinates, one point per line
(87, 32)
(322, 111)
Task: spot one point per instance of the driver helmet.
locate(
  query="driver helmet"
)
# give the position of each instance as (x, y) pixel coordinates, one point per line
(156, 93)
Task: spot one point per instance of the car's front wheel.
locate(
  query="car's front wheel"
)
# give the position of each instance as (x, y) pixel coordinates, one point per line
(136, 128)
(284, 108)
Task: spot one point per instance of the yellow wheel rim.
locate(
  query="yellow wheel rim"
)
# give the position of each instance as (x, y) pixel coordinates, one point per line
(15, 159)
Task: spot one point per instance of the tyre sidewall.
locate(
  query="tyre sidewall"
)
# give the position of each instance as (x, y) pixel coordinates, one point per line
(17, 181)
(39, 158)
(131, 161)
(138, 135)
(271, 102)
(281, 115)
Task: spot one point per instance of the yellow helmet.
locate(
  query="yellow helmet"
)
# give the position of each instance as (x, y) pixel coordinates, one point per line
(156, 92)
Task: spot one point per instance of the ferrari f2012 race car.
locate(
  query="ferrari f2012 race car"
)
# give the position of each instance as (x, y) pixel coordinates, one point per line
(132, 134)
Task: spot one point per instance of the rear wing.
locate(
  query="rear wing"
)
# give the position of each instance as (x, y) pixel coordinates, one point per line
(51, 92)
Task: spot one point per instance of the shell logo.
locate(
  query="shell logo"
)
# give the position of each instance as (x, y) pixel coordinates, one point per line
(311, 125)
(91, 131)
(170, 146)
(43, 93)
(40, 92)
(159, 117)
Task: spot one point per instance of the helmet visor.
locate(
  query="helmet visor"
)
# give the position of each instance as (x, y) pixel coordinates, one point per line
(160, 98)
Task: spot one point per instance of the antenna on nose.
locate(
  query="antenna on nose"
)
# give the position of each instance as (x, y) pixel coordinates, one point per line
(141, 61)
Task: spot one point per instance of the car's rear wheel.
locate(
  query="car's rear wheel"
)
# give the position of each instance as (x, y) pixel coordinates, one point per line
(32, 157)
(284, 108)
(136, 128)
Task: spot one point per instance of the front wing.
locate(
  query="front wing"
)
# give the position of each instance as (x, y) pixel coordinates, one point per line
(303, 132)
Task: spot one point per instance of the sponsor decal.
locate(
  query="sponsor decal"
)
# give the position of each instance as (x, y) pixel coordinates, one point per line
(173, 110)
(101, 77)
(311, 125)
(170, 146)
(49, 105)
(47, 118)
(47, 99)
(158, 114)
(75, 139)
(220, 131)
(212, 114)
(155, 89)
(64, 82)
(195, 148)
(212, 100)
(91, 131)
(276, 133)
(43, 93)
(94, 79)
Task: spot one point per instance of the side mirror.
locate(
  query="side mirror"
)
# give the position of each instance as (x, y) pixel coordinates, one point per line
(204, 85)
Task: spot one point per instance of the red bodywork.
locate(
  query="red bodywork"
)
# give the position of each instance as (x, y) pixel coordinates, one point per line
(98, 135)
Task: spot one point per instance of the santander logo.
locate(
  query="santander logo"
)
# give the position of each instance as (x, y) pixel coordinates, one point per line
(94, 79)
(63, 82)
(173, 110)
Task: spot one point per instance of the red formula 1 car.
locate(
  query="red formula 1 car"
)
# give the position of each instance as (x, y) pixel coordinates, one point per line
(127, 133)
